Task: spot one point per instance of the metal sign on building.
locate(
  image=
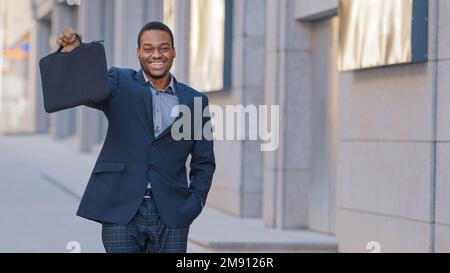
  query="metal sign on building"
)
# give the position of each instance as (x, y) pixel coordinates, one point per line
(374, 33)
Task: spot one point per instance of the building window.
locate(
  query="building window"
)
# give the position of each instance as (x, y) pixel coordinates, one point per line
(383, 32)
(210, 45)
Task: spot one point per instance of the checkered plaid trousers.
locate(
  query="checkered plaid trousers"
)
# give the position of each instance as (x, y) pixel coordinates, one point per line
(144, 233)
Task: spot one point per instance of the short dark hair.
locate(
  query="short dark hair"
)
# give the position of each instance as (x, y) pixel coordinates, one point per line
(158, 26)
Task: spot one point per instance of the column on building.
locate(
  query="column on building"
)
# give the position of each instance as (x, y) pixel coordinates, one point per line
(39, 47)
(248, 57)
(287, 171)
(320, 18)
(62, 123)
(89, 121)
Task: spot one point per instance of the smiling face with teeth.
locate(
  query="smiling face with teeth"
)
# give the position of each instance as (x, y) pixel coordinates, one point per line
(156, 54)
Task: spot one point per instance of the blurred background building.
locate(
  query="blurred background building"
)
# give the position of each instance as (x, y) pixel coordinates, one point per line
(15, 34)
(363, 154)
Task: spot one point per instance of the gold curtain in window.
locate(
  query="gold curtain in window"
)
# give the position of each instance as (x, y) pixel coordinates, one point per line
(374, 33)
(207, 37)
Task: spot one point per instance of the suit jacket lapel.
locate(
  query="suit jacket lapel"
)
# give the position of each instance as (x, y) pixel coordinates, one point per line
(183, 99)
(147, 100)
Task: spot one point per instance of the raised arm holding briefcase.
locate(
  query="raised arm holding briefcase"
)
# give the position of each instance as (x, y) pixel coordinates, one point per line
(76, 76)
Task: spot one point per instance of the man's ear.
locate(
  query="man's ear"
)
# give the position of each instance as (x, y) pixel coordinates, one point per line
(174, 53)
(137, 53)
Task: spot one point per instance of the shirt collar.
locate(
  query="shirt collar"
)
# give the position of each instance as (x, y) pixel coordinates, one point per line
(171, 83)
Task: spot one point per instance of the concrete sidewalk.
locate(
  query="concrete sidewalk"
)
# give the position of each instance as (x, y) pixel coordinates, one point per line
(214, 231)
(41, 184)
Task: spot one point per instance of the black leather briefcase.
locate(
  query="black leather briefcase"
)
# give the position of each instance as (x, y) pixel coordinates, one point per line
(74, 78)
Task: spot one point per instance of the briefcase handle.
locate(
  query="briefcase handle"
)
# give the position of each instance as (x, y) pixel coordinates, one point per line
(81, 44)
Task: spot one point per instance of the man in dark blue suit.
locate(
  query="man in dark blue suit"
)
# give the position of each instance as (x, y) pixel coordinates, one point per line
(139, 190)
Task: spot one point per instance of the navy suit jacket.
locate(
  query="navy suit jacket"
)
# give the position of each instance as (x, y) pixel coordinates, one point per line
(131, 157)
